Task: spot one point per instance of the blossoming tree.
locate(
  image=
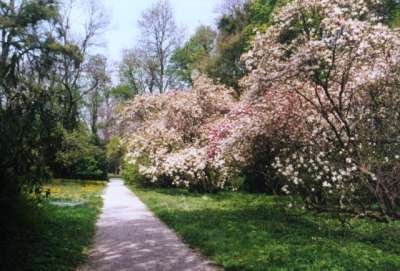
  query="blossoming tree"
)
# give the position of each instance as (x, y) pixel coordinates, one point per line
(167, 135)
(319, 114)
(343, 65)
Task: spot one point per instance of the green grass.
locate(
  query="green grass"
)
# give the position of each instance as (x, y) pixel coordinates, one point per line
(240, 231)
(49, 237)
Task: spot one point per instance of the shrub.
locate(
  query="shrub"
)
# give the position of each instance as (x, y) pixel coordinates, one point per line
(80, 158)
(115, 151)
(166, 135)
(131, 175)
(337, 60)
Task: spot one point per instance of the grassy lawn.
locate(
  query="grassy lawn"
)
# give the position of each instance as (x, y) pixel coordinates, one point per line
(242, 231)
(51, 237)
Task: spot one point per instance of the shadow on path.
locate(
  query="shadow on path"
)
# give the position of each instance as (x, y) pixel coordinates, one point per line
(129, 237)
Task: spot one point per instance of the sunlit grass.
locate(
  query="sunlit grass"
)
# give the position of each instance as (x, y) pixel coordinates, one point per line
(241, 231)
(73, 190)
(50, 237)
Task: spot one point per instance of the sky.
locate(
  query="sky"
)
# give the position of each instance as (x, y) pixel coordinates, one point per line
(124, 14)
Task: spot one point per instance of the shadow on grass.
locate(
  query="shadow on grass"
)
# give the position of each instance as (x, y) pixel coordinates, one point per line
(221, 195)
(18, 226)
(253, 232)
(49, 238)
(46, 237)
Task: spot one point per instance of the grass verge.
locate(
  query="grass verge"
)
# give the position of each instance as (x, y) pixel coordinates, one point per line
(52, 235)
(241, 231)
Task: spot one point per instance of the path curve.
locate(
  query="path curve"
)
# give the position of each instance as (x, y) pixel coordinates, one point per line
(130, 237)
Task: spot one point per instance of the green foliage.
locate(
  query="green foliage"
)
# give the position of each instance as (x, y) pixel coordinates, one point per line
(237, 183)
(236, 32)
(80, 157)
(260, 16)
(240, 231)
(259, 175)
(32, 12)
(122, 92)
(226, 66)
(395, 20)
(193, 54)
(390, 12)
(31, 102)
(131, 174)
(49, 237)
(115, 151)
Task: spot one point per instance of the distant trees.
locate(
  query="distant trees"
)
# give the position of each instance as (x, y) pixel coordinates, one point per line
(236, 27)
(160, 37)
(147, 67)
(160, 62)
(84, 83)
(193, 55)
(115, 152)
(138, 71)
(98, 77)
(72, 77)
(229, 7)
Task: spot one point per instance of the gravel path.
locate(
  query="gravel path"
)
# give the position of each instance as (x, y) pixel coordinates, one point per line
(129, 237)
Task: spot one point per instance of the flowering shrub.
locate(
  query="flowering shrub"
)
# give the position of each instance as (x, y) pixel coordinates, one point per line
(250, 136)
(343, 66)
(319, 110)
(167, 135)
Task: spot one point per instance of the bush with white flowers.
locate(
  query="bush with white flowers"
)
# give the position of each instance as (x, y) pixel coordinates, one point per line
(343, 65)
(167, 135)
(319, 110)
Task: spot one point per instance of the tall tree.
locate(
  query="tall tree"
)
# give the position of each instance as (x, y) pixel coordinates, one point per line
(193, 55)
(71, 75)
(230, 7)
(99, 81)
(138, 71)
(159, 38)
(29, 110)
(238, 22)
